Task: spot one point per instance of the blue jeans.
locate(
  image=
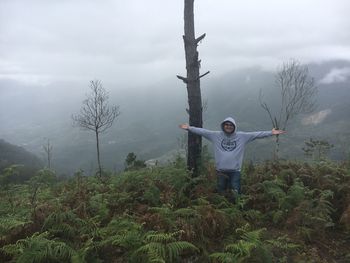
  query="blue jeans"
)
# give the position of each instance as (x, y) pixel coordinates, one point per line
(228, 180)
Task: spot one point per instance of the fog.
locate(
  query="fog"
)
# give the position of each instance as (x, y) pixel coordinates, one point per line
(50, 50)
(138, 42)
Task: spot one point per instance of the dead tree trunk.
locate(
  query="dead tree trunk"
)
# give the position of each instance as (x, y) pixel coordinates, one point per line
(48, 150)
(192, 81)
(98, 154)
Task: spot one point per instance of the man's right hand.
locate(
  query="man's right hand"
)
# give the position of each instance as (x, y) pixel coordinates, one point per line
(184, 126)
(277, 132)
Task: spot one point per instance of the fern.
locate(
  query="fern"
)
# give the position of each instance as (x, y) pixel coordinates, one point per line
(39, 249)
(98, 206)
(284, 243)
(90, 228)
(119, 239)
(253, 236)
(315, 214)
(295, 194)
(274, 191)
(252, 248)
(212, 223)
(166, 214)
(305, 232)
(9, 175)
(8, 224)
(241, 250)
(253, 215)
(87, 253)
(64, 225)
(324, 209)
(187, 213)
(250, 240)
(164, 247)
(123, 233)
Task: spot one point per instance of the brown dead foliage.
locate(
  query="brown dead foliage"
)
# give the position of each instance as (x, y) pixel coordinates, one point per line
(345, 218)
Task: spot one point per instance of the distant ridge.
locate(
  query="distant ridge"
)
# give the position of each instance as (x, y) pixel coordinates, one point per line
(12, 154)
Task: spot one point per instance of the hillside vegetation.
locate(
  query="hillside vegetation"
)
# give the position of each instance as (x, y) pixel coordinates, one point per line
(14, 155)
(290, 212)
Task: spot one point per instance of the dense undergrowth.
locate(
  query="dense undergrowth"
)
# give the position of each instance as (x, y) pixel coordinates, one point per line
(290, 212)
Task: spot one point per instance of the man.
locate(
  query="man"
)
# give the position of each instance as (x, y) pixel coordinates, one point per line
(229, 147)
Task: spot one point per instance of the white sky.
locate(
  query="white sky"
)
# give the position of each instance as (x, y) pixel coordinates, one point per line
(139, 42)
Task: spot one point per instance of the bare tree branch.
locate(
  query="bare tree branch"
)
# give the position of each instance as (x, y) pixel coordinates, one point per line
(206, 73)
(200, 38)
(185, 80)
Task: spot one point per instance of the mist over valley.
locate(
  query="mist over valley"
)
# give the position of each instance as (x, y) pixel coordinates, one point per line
(148, 124)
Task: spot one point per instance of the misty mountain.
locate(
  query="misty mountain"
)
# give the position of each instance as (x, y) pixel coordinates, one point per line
(148, 125)
(14, 155)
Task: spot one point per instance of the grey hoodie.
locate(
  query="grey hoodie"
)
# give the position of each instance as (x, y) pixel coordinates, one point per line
(229, 148)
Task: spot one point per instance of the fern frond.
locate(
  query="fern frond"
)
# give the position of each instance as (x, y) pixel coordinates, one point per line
(306, 232)
(284, 243)
(274, 191)
(155, 251)
(201, 201)
(243, 229)
(250, 241)
(38, 248)
(295, 194)
(118, 225)
(186, 212)
(253, 215)
(241, 249)
(10, 250)
(162, 237)
(164, 210)
(126, 240)
(153, 257)
(91, 228)
(253, 236)
(63, 224)
(175, 248)
(8, 224)
(164, 246)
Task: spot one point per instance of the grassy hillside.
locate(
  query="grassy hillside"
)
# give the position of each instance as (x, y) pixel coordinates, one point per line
(290, 212)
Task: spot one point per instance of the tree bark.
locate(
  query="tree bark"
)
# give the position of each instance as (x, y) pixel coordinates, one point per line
(193, 87)
(277, 149)
(98, 155)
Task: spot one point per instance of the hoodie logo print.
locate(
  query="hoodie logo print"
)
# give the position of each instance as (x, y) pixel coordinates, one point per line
(228, 145)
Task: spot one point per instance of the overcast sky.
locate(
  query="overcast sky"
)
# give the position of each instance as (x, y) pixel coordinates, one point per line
(138, 42)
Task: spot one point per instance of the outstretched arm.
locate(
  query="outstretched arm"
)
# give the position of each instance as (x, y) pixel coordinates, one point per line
(251, 136)
(199, 131)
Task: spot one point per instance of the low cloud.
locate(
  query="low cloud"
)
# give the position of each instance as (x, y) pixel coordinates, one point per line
(336, 75)
(116, 40)
(316, 118)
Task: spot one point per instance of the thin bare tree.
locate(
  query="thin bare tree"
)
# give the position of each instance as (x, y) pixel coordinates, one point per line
(96, 115)
(297, 95)
(48, 151)
(192, 81)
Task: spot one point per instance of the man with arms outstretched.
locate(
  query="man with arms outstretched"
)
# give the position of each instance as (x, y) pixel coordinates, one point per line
(229, 147)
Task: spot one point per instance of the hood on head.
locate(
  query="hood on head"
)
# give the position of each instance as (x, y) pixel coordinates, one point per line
(228, 119)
